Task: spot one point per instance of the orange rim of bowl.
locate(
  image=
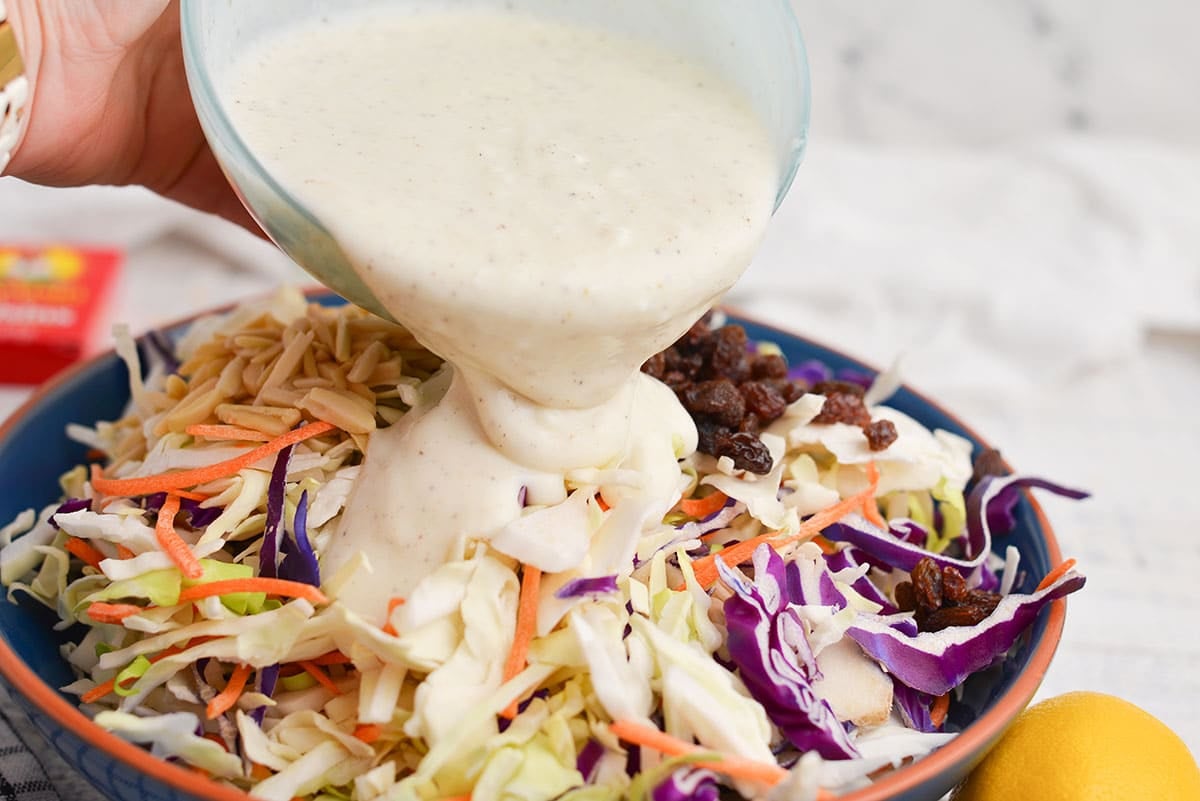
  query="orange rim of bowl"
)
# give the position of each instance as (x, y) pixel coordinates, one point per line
(966, 746)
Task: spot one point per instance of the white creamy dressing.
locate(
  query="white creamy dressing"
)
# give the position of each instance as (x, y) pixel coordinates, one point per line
(543, 205)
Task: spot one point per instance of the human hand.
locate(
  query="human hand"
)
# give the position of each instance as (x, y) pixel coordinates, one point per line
(111, 105)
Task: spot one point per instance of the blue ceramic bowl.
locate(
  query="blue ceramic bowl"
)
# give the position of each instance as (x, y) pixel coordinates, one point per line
(34, 452)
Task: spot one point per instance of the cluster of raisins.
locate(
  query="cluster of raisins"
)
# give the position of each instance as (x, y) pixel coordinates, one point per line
(939, 598)
(733, 392)
(730, 391)
(844, 404)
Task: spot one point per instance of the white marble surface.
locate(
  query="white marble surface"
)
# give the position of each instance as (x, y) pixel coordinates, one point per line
(946, 72)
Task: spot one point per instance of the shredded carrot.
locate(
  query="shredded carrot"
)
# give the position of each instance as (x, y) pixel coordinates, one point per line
(223, 701)
(368, 732)
(85, 551)
(258, 772)
(604, 507)
(463, 797)
(531, 581)
(825, 545)
(270, 586)
(332, 658)
(1055, 574)
(165, 482)
(939, 710)
(700, 508)
(102, 612)
(98, 692)
(870, 509)
(321, 676)
(124, 553)
(170, 541)
(191, 496)
(705, 568)
(227, 432)
(630, 731)
(387, 627)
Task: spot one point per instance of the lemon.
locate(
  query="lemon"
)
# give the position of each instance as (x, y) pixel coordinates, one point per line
(1085, 746)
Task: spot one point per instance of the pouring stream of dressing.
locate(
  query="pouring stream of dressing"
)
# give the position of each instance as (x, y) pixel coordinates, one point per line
(543, 205)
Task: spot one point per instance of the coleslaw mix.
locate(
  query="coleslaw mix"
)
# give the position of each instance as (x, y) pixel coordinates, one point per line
(750, 639)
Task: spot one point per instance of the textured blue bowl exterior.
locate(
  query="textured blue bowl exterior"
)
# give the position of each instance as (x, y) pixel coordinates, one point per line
(35, 452)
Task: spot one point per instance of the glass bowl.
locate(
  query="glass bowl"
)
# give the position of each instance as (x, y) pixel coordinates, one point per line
(756, 47)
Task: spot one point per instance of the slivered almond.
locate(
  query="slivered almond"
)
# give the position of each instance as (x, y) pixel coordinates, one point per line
(196, 408)
(271, 420)
(344, 410)
(202, 355)
(321, 329)
(230, 381)
(278, 396)
(364, 365)
(252, 377)
(175, 387)
(309, 383)
(341, 340)
(309, 365)
(266, 354)
(288, 362)
(386, 372)
(362, 391)
(334, 373)
(254, 341)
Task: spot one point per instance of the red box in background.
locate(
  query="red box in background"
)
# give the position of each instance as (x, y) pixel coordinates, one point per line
(53, 300)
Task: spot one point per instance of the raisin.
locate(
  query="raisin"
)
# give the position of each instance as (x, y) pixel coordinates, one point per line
(984, 600)
(710, 433)
(989, 463)
(906, 597)
(880, 434)
(763, 400)
(953, 616)
(768, 365)
(718, 399)
(747, 452)
(729, 392)
(729, 358)
(790, 391)
(842, 407)
(656, 366)
(677, 381)
(927, 584)
(688, 364)
(831, 387)
(954, 586)
(750, 424)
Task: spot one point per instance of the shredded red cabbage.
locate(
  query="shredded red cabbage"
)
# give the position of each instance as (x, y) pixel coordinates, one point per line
(70, 505)
(588, 759)
(299, 562)
(582, 587)
(914, 706)
(767, 642)
(269, 554)
(936, 662)
(998, 495)
(688, 784)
